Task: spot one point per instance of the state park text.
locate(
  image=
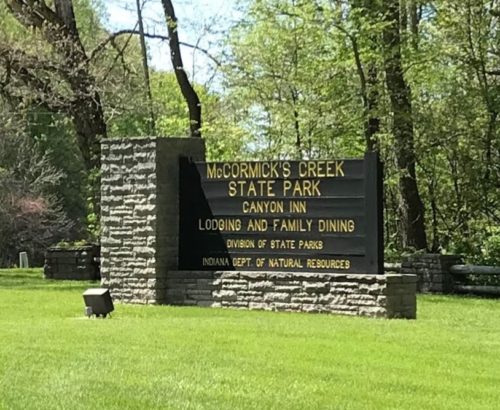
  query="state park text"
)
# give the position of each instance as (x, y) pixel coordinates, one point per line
(280, 215)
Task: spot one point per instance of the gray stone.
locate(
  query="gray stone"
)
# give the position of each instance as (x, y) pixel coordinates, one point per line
(372, 311)
(277, 297)
(316, 287)
(258, 306)
(262, 286)
(253, 275)
(225, 295)
(286, 307)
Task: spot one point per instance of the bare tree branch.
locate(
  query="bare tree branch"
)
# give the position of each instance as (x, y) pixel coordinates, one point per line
(113, 36)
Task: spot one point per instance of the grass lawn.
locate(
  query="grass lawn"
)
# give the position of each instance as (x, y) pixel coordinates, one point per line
(146, 357)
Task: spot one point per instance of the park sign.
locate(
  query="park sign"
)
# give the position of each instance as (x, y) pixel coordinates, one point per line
(296, 216)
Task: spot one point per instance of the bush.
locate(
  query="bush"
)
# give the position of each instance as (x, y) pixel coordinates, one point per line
(30, 216)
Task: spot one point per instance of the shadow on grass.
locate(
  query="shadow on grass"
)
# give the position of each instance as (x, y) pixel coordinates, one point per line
(33, 280)
(49, 286)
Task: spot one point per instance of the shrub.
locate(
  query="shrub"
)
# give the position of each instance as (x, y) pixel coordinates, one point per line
(30, 216)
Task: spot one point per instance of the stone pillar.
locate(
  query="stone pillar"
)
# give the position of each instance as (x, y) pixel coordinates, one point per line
(432, 270)
(140, 214)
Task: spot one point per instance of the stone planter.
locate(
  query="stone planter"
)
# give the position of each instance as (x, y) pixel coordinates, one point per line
(73, 263)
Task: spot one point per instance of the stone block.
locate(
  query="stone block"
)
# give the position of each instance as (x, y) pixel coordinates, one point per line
(258, 306)
(274, 276)
(251, 294)
(235, 304)
(230, 275)
(396, 289)
(277, 297)
(326, 299)
(313, 308)
(225, 295)
(316, 287)
(286, 307)
(207, 303)
(344, 285)
(341, 311)
(253, 275)
(206, 284)
(304, 298)
(373, 289)
(365, 279)
(372, 311)
(288, 288)
(339, 290)
(264, 286)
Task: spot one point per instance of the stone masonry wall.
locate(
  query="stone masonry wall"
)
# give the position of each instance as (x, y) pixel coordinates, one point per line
(390, 295)
(139, 214)
(74, 263)
(432, 270)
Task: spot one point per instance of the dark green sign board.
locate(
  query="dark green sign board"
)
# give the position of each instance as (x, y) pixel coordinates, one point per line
(308, 216)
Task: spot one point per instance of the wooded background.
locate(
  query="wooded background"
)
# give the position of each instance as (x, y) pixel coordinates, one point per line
(418, 81)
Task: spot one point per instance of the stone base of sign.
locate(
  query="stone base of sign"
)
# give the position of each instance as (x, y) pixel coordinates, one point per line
(432, 270)
(140, 214)
(73, 263)
(389, 296)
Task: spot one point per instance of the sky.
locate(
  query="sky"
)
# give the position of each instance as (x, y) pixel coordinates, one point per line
(200, 22)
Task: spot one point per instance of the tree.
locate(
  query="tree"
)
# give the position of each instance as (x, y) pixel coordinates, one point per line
(402, 120)
(189, 93)
(63, 83)
(225, 139)
(290, 71)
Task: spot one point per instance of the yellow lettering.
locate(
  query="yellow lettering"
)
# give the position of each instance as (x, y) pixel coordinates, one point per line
(211, 170)
(339, 264)
(257, 225)
(304, 187)
(292, 225)
(336, 225)
(297, 207)
(240, 243)
(310, 244)
(226, 170)
(286, 169)
(302, 169)
(284, 263)
(339, 168)
(241, 262)
(221, 225)
(282, 244)
(263, 207)
(232, 188)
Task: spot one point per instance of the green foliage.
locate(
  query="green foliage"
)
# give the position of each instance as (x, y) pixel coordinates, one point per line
(291, 73)
(54, 135)
(224, 138)
(291, 88)
(451, 65)
(73, 244)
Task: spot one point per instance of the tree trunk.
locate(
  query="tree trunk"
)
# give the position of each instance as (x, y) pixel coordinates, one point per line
(145, 67)
(400, 96)
(64, 9)
(190, 95)
(414, 23)
(368, 80)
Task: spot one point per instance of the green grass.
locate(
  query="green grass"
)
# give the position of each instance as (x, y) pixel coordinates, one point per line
(146, 357)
